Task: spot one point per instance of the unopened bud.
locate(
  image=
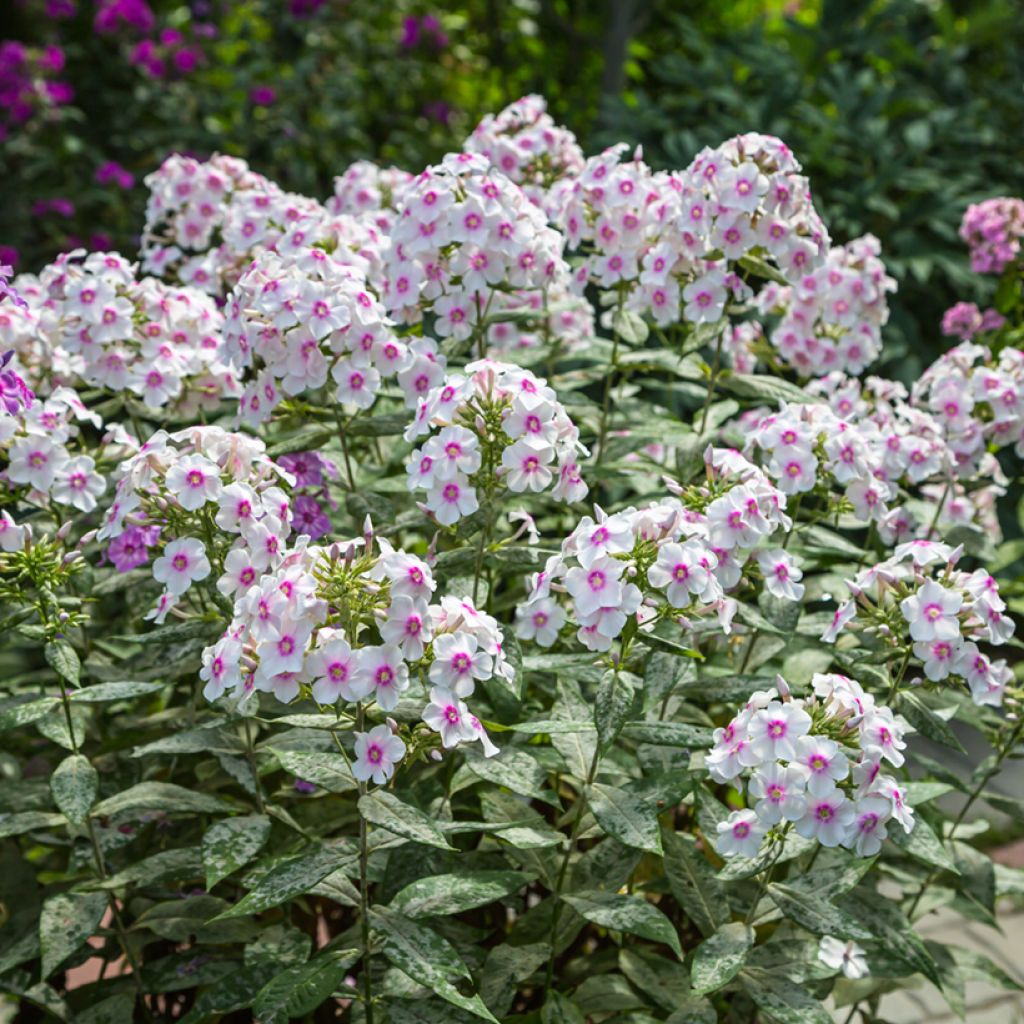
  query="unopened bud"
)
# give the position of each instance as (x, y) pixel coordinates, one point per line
(88, 537)
(783, 687)
(62, 533)
(436, 755)
(391, 724)
(71, 556)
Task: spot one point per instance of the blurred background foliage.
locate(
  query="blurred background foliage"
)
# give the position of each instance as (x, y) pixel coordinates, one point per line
(901, 111)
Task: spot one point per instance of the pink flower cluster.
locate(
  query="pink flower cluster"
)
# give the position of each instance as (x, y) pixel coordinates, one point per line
(992, 230)
(498, 424)
(354, 626)
(28, 88)
(92, 319)
(673, 239)
(368, 191)
(918, 599)
(832, 317)
(297, 318)
(671, 559)
(462, 234)
(814, 765)
(44, 450)
(203, 482)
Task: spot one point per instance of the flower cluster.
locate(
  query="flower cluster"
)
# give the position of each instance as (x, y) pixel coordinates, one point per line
(102, 324)
(462, 234)
(497, 425)
(672, 559)
(671, 239)
(832, 317)
(298, 319)
(920, 604)
(964, 320)
(27, 86)
(208, 499)
(814, 765)
(41, 441)
(352, 626)
(993, 230)
(370, 192)
(525, 143)
(978, 398)
(204, 220)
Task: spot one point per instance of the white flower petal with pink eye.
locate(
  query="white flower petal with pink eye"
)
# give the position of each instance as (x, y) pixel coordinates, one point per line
(781, 574)
(333, 667)
(829, 817)
(525, 464)
(238, 505)
(382, 674)
(451, 500)
(596, 587)
(182, 563)
(774, 730)
(869, 831)
(284, 649)
(455, 452)
(78, 484)
(376, 754)
(407, 626)
(193, 481)
(357, 385)
(12, 536)
(847, 957)
(780, 791)
(845, 613)
(239, 573)
(476, 727)
(931, 613)
(446, 714)
(540, 620)
(822, 763)
(740, 835)
(34, 461)
(459, 662)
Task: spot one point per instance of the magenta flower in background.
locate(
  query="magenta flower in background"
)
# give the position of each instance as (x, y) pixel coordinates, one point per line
(59, 10)
(961, 321)
(262, 95)
(99, 241)
(992, 231)
(59, 205)
(114, 15)
(113, 172)
(52, 59)
(186, 59)
(410, 32)
(306, 467)
(305, 8)
(9, 257)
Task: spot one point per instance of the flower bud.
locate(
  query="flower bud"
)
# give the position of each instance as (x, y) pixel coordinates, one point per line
(391, 724)
(62, 533)
(436, 755)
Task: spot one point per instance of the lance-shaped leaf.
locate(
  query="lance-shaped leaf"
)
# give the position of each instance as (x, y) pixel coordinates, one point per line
(625, 914)
(299, 990)
(73, 784)
(385, 810)
(67, 920)
(621, 815)
(719, 958)
(427, 958)
(231, 844)
(693, 882)
(453, 894)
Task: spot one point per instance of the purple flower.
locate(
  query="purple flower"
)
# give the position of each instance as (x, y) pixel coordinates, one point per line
(302, 786)
(112, 171)
(410, 32)
(131, 548)
(308, 517)
(186, 59)
(962, 320)
(99, 240)
(262, 95)
(116, 14)
(15, 394)
(306, 467)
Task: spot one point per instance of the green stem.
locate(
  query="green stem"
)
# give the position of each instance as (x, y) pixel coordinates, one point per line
(602, 435)
(711, 381)
(577, 824)
(344, 451)
(938, 510)
(101, 870)
(364, 885)
(250, 756)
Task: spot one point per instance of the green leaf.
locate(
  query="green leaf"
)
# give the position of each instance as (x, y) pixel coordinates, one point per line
(312, 436)
(192, 629)
(693, 882)
(115, 1009)
(630, 326)
(28, 821)
(781, 999)
(693, 1010)
(15, 715)
(426, 957)
(764, 388)
(165, 866)
(329, 771)
(442, 895)
(74, 783)
(161, 796)
(927, 722)
(924, 845)
(385, 810)
(625, 914)
(126, 690)
(890, 927)
(230, 993)
(612, 706)
(560, 1009)
(231, 844)
(719, 958)
(300, 990)
(63, 659)
(66, 921)
(669, 734)
(506, 967)
(623, 816)
(660, 643)
(815, 912)
(286, 879)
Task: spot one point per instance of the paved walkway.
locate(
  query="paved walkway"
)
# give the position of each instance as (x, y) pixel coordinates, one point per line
(986, 1003)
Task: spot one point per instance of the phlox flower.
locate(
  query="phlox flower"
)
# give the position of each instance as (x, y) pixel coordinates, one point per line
(740, 835)
(376, 754)
(182, 563)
